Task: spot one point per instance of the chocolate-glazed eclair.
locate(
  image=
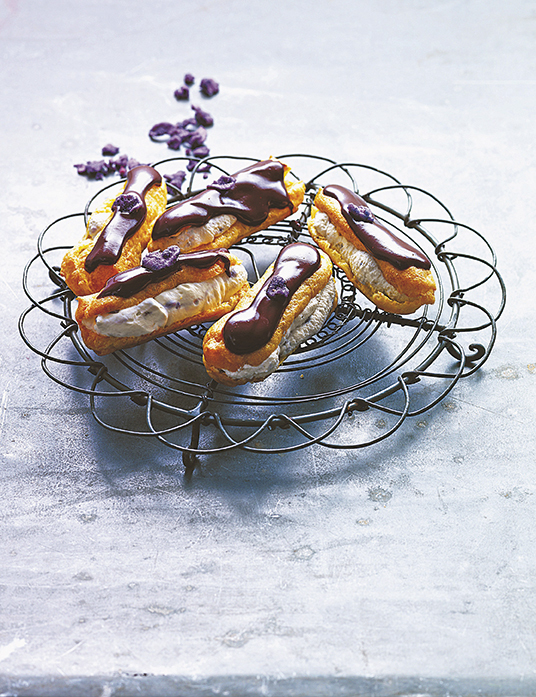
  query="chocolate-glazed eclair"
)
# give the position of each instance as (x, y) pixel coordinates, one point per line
(167, 292)
(117, 233)
(390, 271)
(230, 208)
(289, 304)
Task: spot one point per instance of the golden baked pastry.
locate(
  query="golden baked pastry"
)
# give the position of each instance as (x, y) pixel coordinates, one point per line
(168, 292)
(290, 303)
(117, 233)
(391, 272)
(230, 209)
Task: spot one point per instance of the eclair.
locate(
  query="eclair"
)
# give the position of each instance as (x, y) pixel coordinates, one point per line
(230, 209)
(390, 271)
(167, 292)
(289, 304)
(117, 233)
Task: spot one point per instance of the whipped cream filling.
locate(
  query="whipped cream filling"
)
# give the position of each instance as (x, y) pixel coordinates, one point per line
(193, 237)
(97, 222)
(362, 264)
(310, 320)
(165, 309)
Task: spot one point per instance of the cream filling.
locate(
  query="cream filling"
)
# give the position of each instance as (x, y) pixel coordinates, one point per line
(165, 309)
(362, 264)
(194, 237)
(306, 324)
(96, 223)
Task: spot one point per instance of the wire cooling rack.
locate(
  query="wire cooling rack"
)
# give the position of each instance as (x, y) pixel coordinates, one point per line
(351, 386)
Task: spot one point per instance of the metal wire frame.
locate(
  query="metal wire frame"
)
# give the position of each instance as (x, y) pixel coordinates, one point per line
(242, 416)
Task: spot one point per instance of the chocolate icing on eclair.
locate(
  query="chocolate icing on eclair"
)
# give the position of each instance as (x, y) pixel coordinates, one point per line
(129, 213)
(250, 329)
(159, 265)
(379, 241)
(248, 195)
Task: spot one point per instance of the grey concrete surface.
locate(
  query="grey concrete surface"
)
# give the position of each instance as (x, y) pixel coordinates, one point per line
(404, 568)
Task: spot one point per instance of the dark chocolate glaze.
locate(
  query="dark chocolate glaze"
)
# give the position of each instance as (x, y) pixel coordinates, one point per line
(128, 283)
(250, 329)
(109, 245)
(379, 241)
(254, 191)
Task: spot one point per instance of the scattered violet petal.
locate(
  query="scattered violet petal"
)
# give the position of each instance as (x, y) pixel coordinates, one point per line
(132, 163)
(277, 288)
(182, 94)
(198, 137)
(176, 179)
(205, 168)
(201, 152)
(161, 259)
(189, 79)
(161, 129)
(110, 150)
(223, 184)
(188, 122)
(180, 132)
(128, 204)
(209, 87)
(175, 142)
(202, 117)
(361, 214)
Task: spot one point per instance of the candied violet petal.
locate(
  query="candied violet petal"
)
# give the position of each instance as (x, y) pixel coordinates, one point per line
(361, 214)
(161, 259)
(128, 204)
(202, 117)
(189, 79)
(175, 142)
(176, 179)
(201, 152)
(223, 184)
(277, 288)
(161, 129)
(197, 138)
(209, 87)
(188, 122)
(182, 94)
(110, 150)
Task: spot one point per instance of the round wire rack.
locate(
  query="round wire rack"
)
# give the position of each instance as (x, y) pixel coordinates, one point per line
(350, 386)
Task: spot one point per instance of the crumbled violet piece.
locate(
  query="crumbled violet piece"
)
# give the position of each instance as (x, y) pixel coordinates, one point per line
(182, 94)
(188, 122)
(201, 152)
(161, 259)
(197, 138)
(175, 142)
(209, 87)
(202, 117)
(161, 129)
(110, 150)
(128, 204)
(189, 79)
(361, 214)
(277, 288)
(223, 184)
(94, 169)
(176, 179)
